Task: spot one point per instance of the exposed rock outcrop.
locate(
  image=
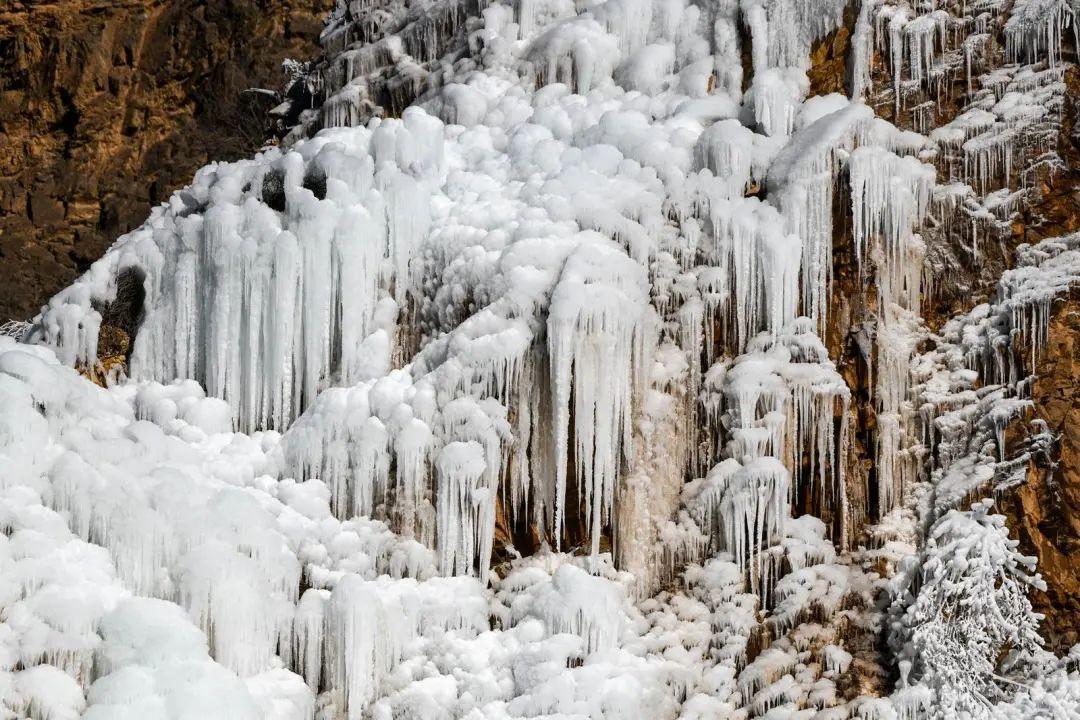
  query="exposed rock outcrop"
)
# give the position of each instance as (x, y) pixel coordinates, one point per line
(1046, 509)
(106, 106)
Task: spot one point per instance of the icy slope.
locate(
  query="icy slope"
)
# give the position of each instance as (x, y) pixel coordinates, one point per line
(518, 405)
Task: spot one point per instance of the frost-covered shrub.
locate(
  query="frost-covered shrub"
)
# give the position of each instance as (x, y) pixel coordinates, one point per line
(969, 634)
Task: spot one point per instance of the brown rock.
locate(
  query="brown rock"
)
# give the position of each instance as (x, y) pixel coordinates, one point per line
(829, 57)
(45, 210)
(106, 106)
(1045, 511)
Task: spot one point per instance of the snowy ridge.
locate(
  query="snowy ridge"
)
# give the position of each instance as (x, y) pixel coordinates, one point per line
(515, 406)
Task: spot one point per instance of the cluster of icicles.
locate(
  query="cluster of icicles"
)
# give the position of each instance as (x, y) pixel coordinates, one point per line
(469, 311)
(1005, 134)
(270, 279)
(779, 401)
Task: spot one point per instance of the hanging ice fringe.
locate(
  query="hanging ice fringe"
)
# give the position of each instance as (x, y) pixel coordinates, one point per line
(514, 382)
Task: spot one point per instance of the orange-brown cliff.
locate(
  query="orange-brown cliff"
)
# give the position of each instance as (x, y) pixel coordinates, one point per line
(106, 106)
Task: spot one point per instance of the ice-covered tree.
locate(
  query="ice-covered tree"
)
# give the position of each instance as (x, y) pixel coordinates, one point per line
(968, 638)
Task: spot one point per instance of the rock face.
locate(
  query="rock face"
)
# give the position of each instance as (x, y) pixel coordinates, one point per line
(1044, 512)
(1046, 509)
(106, 106)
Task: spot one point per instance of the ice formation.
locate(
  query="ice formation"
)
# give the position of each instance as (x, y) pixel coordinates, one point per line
(507, 386)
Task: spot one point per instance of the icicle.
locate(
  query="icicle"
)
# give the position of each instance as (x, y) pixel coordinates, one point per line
(598, 336)
(408, 220)
(752, 262)
(466, 510)
(232, 601)
(1035, 30)
(803, 179)
(753, 509)
(308, 627)
(777, 96)
(361, 646)
(725, 148)
(890, 196)
(862, 52)
(411, 447)
(577, 603)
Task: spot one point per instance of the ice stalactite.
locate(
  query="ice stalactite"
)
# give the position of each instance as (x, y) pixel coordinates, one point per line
(235, 606)
(780, 399)
(628, 20)
(152, 640)
(466, 509)
(726, 149)
(890, 198)
(361, 645)
(750, 280)
(407, 224)
(778, 95)
(692, 337)
(818, 395)
(792, 380)
(1036, 30)
(803, 178)
(309, 624)
(862, 50)
(754, 506)
(783, 31)
(578, 53)
(914, 40)
(72, 328)
(650, 494)
(378, 58)
(727, 41)
(898, 334)
(578, 603)
(600, 331)
(989, 157)
(354, 437)
(268, 285)
(1022, 307)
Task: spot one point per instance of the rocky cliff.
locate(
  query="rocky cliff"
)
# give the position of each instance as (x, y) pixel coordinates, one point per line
(1045, 509)
(107, 106)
